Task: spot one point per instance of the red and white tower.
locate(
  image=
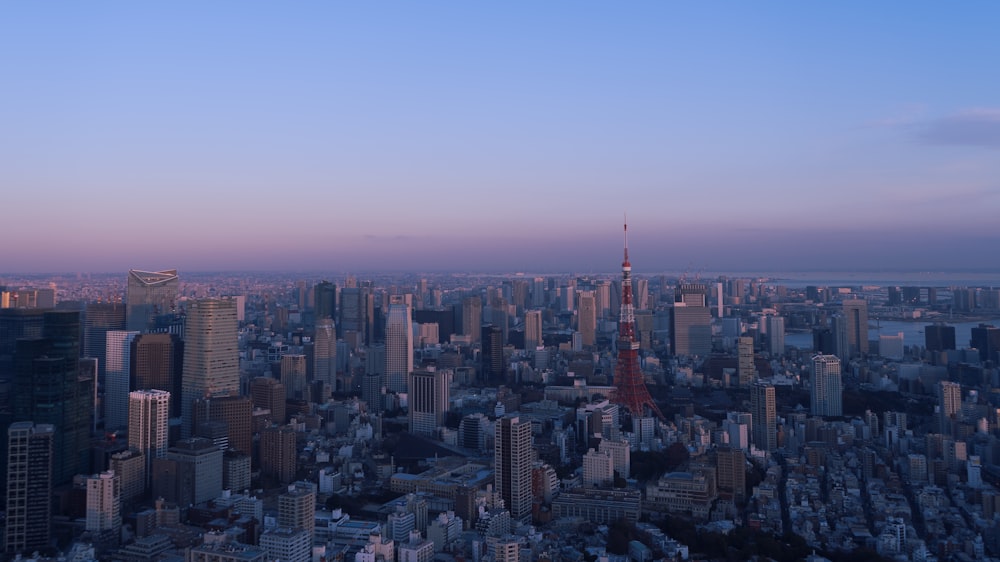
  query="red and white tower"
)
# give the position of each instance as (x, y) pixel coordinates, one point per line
(630, 388)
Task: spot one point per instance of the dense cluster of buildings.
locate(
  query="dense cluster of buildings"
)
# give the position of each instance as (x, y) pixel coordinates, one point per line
(492, 418)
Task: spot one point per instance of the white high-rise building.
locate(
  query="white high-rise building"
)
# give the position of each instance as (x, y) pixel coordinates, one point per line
(116, 387)
(598, 468)
(325, 352)
(827, 386)
(104, 503)
(211, 355)
(428, 399)
(398, 345)
(148, 424)
(512, 465)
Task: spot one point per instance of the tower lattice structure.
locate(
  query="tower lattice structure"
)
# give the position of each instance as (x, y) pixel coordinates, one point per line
(630, 388)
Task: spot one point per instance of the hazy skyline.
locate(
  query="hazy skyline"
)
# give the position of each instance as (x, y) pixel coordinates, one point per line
(454, 136)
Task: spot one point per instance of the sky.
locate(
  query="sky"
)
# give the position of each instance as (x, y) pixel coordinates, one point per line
(489, 136)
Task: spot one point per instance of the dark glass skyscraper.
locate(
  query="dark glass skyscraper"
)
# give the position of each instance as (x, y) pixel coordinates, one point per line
(149, 294)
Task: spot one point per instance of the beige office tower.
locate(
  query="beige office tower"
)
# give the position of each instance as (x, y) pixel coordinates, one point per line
(472, 317)
(149, 294)
(104, 505)
(398, 345)
(532, 329)
(148, 425)
(587, 318)
(745, 368)
(29, 486)
(512, 466)
(211, 355)
(428, 397)
(764, 416)
(325, 352)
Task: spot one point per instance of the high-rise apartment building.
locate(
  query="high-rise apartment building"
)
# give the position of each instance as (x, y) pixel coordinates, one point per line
(325, 352)
(764, 416)
(532, 329)
(48, 387)
(211, 355)
(512, 460)
(856, 315)
(429, 397)
(745, 368)
(587, 318)
(104, 515)
(149, 294)
(949, 405)
(117, 378)
(472, 317)
(148, 425)
(598, 469)
(827, 386)
(398, 345)
(278, 453)
(30, 448)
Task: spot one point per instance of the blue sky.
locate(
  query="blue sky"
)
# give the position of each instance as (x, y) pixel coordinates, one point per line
(447, 135)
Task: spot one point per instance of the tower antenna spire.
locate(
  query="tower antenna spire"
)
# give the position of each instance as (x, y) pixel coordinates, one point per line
(626, 237)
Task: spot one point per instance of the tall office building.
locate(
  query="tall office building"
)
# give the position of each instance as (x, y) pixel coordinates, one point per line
(986, 339)
(48, 387)
(827, 386)
(371, 392)
(157, 363)
(356, 311)
(764, 416)
(211, 355)
(98, 319)
(398, 345)
(269, 394)
(325, 297)
(235, 412)
(278, 454)
(731, 473)
(690, 321)
(429, 397)
(117, 378)
(532, 329)
(293, 376)
(149, 294)
(148, 428)
(512, 465)
(199, 470)
(472, 317)
(775, 335)
(104, 505)
(30, 448)
(745, 368)
(130, 467)
(587, 318)
(949, 405)
(492, 354)
(856, 315)
(325, 352)
(939, 337)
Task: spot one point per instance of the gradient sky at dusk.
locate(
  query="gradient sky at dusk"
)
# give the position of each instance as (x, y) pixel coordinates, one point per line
(356, 136)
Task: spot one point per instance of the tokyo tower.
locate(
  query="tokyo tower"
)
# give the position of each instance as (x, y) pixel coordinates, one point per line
(630, 389)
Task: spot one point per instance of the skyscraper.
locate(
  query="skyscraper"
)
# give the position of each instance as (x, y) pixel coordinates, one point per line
(949, 405)
(429, 397)
(98, 319)
(856, 314)
(745, 368)
(775, 335)
(398, 345)
(117, 377)
(690, 321)
(827, 386)
(211, 355)
(269, 394)
(297, 507)
(492, 354)
(157, 362)
(512, 465)
(587, 318)
(277, 453)
(472, 317)
(148, 417)
(293, 376)
(630, 388)
(325, 352)
(325, 295)
(48, 388)
(149, 294)
(233, 411)
(532, 329)
(29, 486)
(764, 416)
(939, 337)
